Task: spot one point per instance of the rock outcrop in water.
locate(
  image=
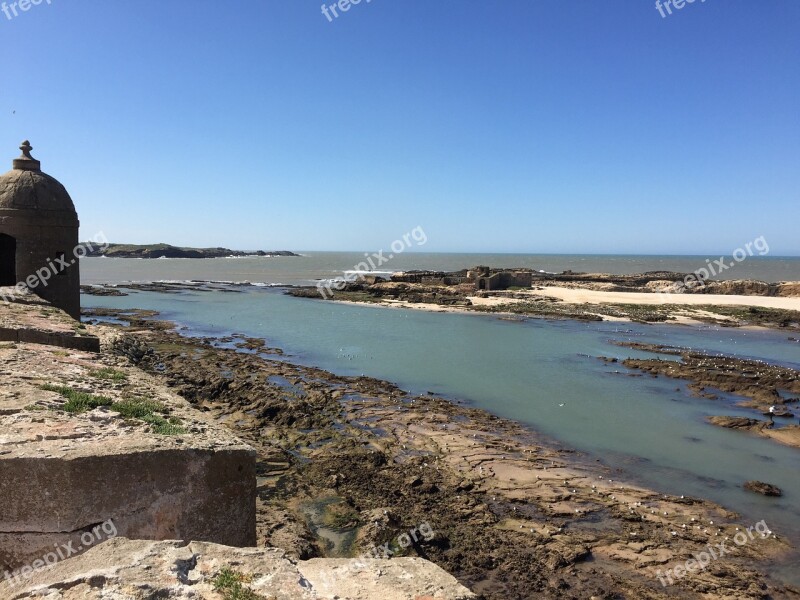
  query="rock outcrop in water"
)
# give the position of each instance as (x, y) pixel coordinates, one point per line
(168, 251)
(765, 489)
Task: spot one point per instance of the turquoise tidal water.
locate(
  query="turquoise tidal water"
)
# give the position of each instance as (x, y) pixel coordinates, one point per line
(651, 428)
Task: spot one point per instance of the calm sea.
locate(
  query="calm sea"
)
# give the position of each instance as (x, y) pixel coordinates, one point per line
(653, 430)
(313, 266)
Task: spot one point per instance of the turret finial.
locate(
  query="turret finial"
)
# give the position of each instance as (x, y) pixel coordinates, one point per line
(26, 162)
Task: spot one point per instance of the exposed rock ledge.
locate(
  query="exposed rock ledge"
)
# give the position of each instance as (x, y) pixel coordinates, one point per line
(787, 434)
(141, 570)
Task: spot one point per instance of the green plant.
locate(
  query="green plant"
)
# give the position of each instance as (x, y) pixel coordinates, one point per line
(151, 412)
(129, 408)
(77, 402)
(137, 408)
(162, 426)
(231, 585)
(109, 374)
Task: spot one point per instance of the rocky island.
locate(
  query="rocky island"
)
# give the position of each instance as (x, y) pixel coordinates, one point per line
(168, 251)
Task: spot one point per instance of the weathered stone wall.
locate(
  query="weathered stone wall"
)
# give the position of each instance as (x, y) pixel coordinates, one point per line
(50, 338)
(40, 238)
(27, 318)
(151, 494)
(64, 473)
(430, 277)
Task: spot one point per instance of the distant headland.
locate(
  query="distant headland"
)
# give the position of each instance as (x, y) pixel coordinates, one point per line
(168, 251)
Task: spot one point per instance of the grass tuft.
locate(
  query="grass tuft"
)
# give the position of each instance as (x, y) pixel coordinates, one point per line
(162, 426)
(151, 412)
(77, 402)
(137, 408)
(231, 585)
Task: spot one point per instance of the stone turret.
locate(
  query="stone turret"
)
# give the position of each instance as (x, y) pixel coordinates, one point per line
(39, 234)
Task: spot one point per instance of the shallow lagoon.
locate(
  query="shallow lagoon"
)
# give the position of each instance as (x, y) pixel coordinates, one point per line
(544, 373)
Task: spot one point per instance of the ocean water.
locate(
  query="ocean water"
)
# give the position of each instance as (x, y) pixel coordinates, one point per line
(651, 429)
(312, 266)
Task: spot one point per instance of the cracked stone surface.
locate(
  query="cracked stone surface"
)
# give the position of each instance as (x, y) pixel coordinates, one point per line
(123, 569)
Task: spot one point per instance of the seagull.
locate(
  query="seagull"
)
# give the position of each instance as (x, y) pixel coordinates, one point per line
(562, 404)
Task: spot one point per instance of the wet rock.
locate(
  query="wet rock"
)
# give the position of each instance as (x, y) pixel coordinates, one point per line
(760, 487)
(735, 422)
(99, 290)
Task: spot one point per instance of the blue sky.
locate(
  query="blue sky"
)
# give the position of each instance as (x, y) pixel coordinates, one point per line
(513, 126)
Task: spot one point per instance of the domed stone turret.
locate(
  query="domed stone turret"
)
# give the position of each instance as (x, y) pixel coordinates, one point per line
(39, 234)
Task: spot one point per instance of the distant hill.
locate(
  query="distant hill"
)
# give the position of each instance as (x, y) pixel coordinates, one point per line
(167, 251)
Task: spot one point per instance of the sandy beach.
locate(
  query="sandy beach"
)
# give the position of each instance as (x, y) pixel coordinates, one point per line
(682, 309)
(579, 296)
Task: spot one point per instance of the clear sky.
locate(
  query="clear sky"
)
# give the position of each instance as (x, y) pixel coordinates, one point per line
(508, 126)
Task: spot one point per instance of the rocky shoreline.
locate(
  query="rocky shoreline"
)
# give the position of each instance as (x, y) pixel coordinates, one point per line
(767, 390)
(515, 304)
(346, 464)
(654, 297)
